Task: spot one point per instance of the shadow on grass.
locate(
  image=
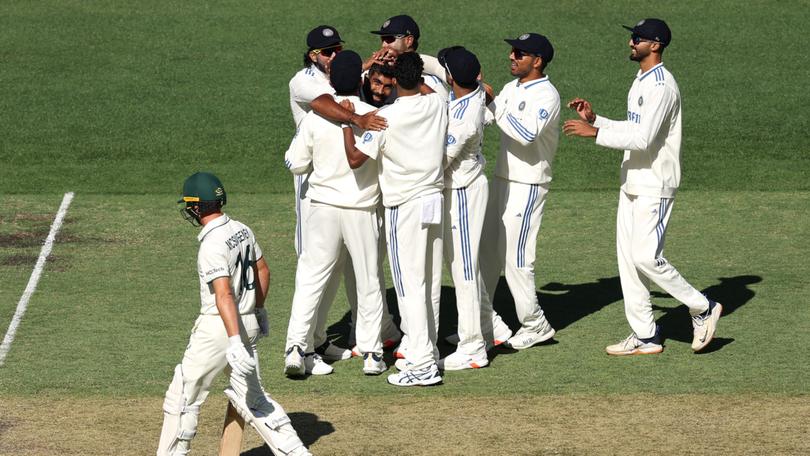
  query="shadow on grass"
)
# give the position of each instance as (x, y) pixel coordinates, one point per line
(565, 304)
(731, 292)
(309, 429)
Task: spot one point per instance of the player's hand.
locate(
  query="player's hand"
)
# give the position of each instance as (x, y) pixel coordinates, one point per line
(371, 121)
(238, 357)
(579, 128)
(347, 104)
(264, 324)
(376, 57)
(583, 109)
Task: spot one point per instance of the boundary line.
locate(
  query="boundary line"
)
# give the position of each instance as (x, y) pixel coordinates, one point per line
(35, 274)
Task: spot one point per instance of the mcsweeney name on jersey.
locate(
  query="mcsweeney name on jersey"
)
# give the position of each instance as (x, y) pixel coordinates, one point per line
(233, 241)
(634, 117)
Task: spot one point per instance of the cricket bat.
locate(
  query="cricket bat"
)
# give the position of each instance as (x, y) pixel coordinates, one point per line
(231, 442)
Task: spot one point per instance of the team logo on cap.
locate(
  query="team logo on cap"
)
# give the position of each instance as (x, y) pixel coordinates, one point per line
(219, 191)
(640, 101)
(521, 105)
(451, 139)
(386, 24)
(328, 32)
(523, 37)
(366, 138)
(640, 23)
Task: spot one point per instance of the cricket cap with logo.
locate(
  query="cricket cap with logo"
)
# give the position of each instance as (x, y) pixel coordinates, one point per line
(399, 25)
(323, 36)
(462, 65)
(652, 29)
(203, 187)
(533, 43)
(345, 72)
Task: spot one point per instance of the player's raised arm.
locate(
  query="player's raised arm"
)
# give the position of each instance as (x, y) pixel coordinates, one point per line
(326, 106)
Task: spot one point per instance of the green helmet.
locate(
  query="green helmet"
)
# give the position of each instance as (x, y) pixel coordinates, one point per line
(202, 193)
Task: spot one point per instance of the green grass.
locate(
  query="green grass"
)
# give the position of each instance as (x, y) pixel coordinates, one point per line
(111, 316)
(117, 98)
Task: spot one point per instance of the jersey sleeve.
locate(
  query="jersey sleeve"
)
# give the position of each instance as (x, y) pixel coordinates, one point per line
(458, 137)
(371, 143)
(212, 261)
(432, 66)
(304, 91)
(638, 134)
(298, 158)
(525, 125)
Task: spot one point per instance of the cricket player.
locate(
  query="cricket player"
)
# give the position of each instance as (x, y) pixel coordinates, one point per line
(234, 280)
(342, 212)
(310, 89)
(398, 35)
(377, 85)
(651, 173)
(465, 195)
(410, 155)
(527, 111)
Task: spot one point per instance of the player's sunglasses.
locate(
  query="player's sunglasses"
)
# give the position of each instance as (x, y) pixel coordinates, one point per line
(520, 54)
(327, 52)
(391, 38)
(637, 39)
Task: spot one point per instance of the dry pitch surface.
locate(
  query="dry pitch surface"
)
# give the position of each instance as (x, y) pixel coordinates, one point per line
(403, 425)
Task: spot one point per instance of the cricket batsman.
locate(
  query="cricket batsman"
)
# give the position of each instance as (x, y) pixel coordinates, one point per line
(234, 278)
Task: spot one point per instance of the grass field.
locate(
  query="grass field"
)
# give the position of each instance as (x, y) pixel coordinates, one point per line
(120, 102)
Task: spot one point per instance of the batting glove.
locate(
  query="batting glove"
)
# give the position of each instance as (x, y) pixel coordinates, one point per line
(264, 324)
(238, 357)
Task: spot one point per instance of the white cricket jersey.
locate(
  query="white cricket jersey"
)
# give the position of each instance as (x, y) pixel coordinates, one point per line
(528, 115)
(465, 135)
(227, 249)
(308, 84)
(410, 152)
(318, 146)
(650, 137)
(433, 74)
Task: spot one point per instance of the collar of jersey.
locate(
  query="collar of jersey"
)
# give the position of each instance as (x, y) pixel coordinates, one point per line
(532, 83)
(212, 225)
(644, 75)
(455, 101)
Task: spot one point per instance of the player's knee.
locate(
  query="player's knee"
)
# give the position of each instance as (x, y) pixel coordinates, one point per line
(649, 264)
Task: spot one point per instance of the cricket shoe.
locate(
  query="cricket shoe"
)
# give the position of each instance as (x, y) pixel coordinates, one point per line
(705, 324)
(331, 352)
(525, 339)
(460, 361)
(403, 364)
(294, 362)
(502, 334)
(417, 377)
(373, 364)
(315, 365)
(633, 345)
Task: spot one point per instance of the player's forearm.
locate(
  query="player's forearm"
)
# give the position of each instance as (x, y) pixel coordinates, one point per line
(326, 106)
(262, 272)
(226, 306)
(355, 157)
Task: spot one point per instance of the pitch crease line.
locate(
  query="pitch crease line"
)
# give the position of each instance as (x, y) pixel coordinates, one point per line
(35, 275)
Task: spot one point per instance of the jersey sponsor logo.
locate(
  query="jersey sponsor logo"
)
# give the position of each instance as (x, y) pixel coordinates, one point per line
(233, 241)
(214, 271)
(521, 105)
(367, 138)
(640, 101)
(543, 114)
(634, 117)
(451, 139)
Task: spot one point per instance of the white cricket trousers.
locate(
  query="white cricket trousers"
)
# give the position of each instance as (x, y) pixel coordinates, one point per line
(641, 226)
(463, 224)
(328, 229)
(415, 257)
(514, 213)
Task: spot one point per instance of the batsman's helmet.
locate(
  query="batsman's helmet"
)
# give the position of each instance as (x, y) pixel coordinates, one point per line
(203, 193)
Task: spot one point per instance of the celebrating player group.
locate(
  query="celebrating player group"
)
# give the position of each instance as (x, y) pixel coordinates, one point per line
(387, 162)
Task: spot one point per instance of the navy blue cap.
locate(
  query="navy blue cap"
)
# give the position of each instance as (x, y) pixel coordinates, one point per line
(534, 43)
(399, 25)
(463, 65)
(345, 70)
(442, 52)
(323, 36)
(652, 29)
